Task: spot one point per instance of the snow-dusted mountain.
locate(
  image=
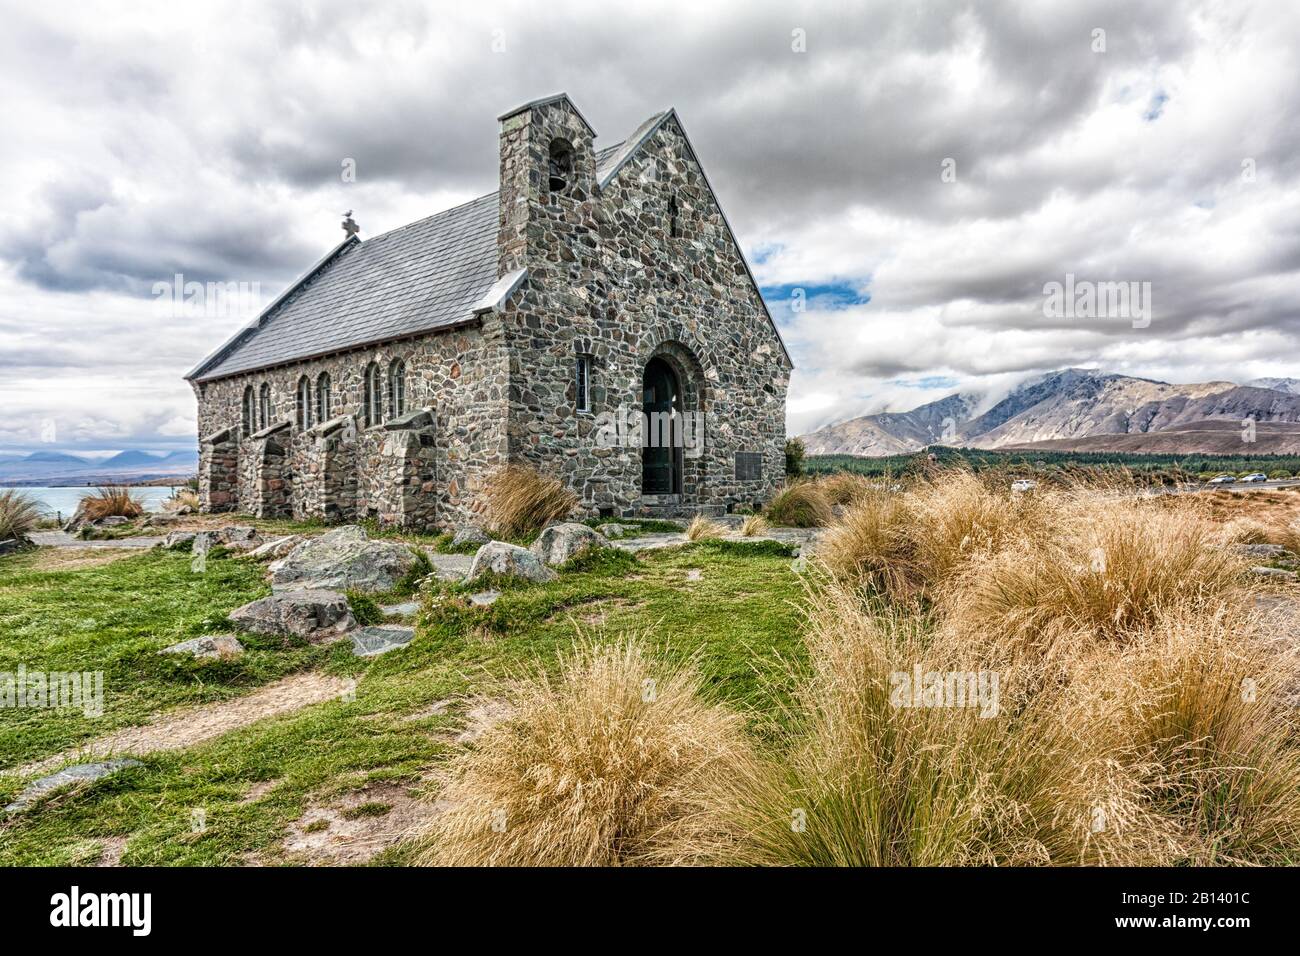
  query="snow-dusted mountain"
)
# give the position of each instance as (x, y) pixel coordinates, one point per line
(1062, 406)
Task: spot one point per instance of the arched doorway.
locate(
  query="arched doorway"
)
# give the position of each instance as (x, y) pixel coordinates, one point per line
(661, 446)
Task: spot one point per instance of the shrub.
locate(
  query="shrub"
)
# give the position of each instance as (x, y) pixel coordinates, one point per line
(794, 457)
(615, 762)
(520, 501)
(110, 501)
(1279, 473)
(800, 504)
(19, 515)
(754, 526)
(702, 529)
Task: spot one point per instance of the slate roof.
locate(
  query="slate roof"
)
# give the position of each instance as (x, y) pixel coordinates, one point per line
(425, 276)
(429, 275)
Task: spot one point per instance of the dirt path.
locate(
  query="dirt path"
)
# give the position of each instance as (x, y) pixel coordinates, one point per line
(194, 725)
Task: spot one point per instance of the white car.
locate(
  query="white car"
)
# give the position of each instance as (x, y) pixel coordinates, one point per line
(1257, 476)
(1023, 484)
(1222, 479)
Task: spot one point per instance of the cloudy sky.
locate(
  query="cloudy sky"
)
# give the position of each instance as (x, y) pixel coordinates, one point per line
(905, 177)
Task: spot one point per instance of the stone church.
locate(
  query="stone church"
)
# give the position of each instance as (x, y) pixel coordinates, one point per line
(594, 319)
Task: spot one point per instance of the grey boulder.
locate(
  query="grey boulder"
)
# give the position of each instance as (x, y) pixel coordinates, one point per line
(275, 549)
(208, 647)
(175, 539)
(467, 536)
(344, 559)
(314, 614)
(380, 639)
(510, 560)
(561, 542)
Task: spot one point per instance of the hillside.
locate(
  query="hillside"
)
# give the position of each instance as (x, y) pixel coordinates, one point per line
(1105, 411)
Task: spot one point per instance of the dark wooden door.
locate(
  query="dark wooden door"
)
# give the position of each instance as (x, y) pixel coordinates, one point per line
(660, 458)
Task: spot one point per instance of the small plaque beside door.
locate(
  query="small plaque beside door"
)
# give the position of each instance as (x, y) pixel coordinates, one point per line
(749, 466)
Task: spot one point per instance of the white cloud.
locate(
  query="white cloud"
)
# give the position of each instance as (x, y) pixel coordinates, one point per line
(207, 139)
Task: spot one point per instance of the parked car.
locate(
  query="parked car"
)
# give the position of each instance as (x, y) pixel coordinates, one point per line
(1222, 479)
(1023, 484)
(1257, 476)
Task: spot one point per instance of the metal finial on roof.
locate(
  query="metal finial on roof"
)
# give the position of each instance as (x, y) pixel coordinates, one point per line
(350, 227)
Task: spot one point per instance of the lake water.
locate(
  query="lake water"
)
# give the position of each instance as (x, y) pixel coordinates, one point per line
(64, 500)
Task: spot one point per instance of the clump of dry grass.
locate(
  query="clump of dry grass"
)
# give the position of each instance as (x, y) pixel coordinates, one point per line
(906, 543)
(19, 515)
(617, 761)
(754, 526)
(110, 501)
(1109, 567)
(1212, 704)
(183, 498)
(800, 504)
(872, 781)
(702, 529)
(519, 501)
(844, 487)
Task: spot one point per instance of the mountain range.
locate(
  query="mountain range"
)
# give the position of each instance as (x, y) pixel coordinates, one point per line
(1086, 410)
(56, 467)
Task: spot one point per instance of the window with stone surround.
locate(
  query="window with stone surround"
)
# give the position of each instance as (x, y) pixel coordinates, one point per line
(396, 389)
(673, 229)
(372, 399)
(304, 403)
(323, 397)
(560, 165)
(582, 400)
(248, 416)
(264, 410)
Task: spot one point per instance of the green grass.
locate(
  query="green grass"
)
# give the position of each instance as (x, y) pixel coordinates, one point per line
(738, 621)
(115, 618)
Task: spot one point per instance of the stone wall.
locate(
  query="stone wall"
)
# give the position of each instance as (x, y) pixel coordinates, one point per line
(459, 375)
(219, 471)
(608, 276)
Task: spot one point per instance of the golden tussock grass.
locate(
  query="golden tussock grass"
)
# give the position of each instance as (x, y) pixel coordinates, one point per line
(617, 761)
(844, 487)
(754, 526)
(800, 504)
(111, 501)
(702, 529)
(519, 501)
(906, 542)
(19, 515)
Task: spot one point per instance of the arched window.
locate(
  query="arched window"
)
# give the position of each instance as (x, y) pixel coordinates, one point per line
(371, 401)
(397, 389)
(323, 397)
(249, 411)
(264, 410)
(560, 165)
(304, 403)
